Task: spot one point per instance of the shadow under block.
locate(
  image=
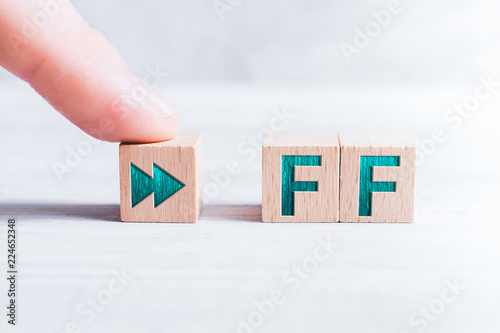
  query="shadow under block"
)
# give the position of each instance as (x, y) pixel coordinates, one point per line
(161, 182)
(300, 177)
(377, 177)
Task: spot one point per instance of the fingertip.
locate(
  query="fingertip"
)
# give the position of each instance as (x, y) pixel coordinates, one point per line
(136, 130)
(83, 77)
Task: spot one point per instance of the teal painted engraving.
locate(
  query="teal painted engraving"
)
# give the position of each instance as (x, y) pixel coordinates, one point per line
(289, 185)
(366, 184)
(162, 184)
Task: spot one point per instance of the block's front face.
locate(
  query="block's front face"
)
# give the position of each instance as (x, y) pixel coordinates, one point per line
(300, 178)
(161, 182)
(377, 177)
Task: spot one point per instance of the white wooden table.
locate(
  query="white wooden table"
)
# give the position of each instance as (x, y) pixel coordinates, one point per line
(204, 277)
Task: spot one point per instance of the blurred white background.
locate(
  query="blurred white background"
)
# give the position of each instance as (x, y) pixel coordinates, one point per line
(299, 41)
(228, 77)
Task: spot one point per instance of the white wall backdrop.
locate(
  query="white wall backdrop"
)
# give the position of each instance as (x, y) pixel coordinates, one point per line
(299, 41)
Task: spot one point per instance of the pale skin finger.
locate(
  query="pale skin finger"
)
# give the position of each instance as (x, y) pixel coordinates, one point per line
(80, 74)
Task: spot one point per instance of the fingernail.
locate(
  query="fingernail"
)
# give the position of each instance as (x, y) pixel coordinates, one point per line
(154, 101)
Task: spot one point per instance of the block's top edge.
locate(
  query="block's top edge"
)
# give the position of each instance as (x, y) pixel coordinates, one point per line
(183, 139)
(379, 139)
(300, 139)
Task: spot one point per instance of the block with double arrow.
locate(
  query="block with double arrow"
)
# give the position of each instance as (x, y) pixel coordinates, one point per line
(161, 182)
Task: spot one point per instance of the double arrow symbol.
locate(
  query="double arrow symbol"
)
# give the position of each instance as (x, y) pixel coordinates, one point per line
(162, 184)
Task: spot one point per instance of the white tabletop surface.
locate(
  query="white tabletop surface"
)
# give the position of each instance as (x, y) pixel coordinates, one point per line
(204, 277)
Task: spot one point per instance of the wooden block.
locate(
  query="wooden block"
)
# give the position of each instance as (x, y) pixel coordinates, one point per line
(377, 177)
(300, 178)
(161, 182)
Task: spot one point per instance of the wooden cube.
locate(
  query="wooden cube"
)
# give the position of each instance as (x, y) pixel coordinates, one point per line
(161, 182)
(377, 177)
(300, 178)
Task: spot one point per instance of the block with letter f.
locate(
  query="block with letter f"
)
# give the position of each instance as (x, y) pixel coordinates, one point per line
(300, 177)
(377, 177)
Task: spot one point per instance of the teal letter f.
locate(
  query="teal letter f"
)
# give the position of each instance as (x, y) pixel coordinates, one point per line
(366, 184)
(289, 185)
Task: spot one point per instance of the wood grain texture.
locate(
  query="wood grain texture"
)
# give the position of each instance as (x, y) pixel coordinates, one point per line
(395, 206)
(180, 157)
(320, 206)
